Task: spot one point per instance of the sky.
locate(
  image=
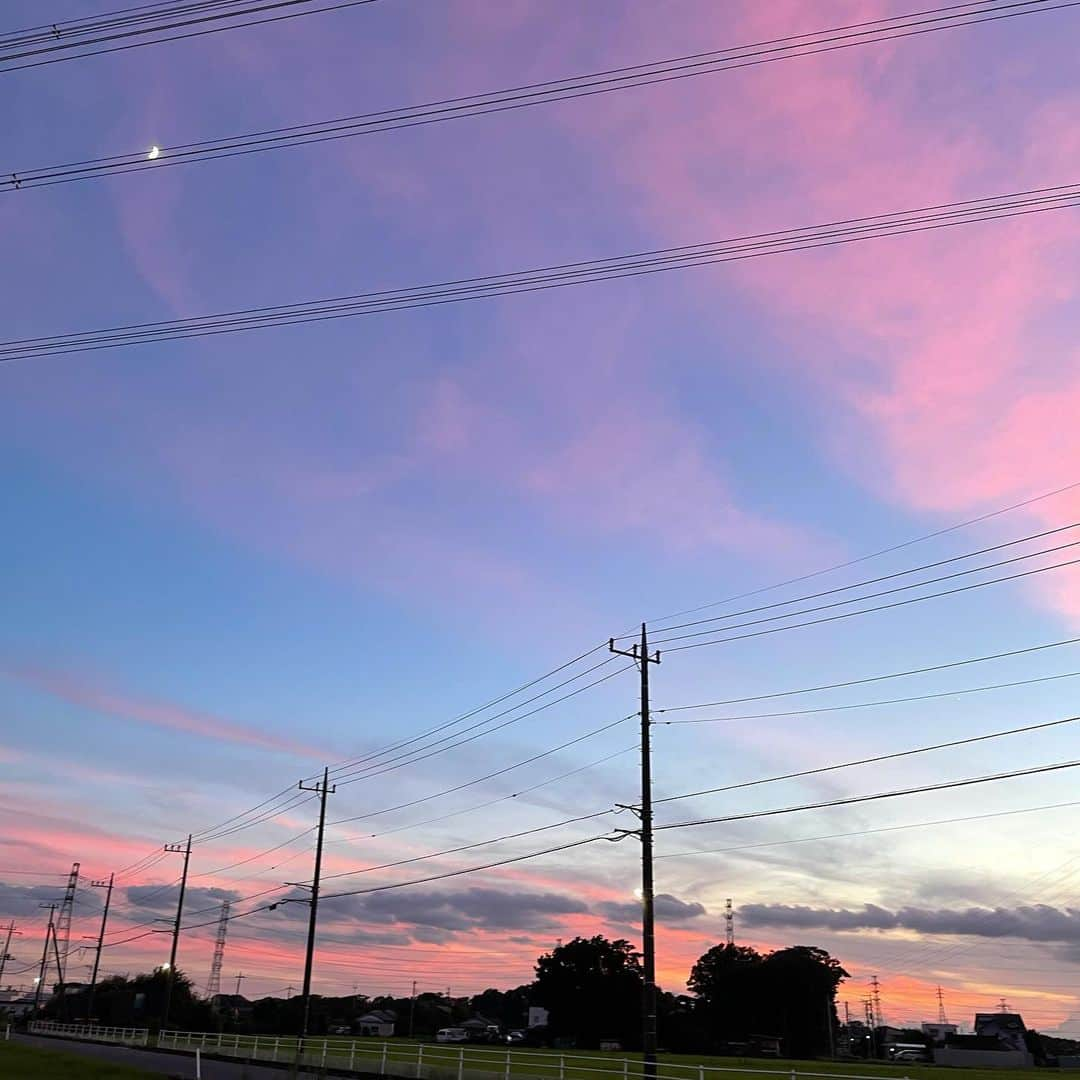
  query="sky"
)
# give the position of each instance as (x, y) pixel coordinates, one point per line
(232, 561)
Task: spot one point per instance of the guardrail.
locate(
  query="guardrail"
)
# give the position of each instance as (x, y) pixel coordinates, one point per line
(414, 1061)
(91, 1032)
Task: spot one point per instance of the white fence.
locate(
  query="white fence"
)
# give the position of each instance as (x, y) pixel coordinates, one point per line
(92, 1032)
(414, 1061)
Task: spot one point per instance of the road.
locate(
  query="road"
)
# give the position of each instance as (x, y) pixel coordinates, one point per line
(153, 1061)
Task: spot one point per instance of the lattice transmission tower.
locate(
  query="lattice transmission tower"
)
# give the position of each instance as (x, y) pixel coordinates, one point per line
(213, 984)
(63, 922)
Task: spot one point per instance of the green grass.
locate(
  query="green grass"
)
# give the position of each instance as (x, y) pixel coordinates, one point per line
(29, 1063)
(527, 1063)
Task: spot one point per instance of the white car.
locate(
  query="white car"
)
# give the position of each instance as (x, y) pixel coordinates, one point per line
(451, 1035)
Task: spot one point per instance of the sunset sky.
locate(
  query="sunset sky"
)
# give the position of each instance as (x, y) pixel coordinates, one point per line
(231, 561)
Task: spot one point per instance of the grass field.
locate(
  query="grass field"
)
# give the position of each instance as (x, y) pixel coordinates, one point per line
(442, 1062)
(19, 1062)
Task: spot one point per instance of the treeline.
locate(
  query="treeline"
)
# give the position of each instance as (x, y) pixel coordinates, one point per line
(591, 987)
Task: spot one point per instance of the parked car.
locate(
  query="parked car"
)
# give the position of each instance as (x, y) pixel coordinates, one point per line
(451, 1035)
(910, 1055)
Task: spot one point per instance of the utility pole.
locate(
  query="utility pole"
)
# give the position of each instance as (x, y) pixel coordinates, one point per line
(239, 979)
(412, 1009)
(5, 956)
(640, 654)
(44, 959)
(729, 923)
(185, 850)
(322, 790)
(107, 886)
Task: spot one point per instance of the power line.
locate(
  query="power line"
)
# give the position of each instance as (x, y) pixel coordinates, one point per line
(874, 704)
(892, 756)
(259, 855)
(876, 678)
(487, 776)
(488, 803)
(470, 847)
(879, 607)
(882, 577)
(870, 832)
(461, 718)
(640, 264)
(851, 800)
(480, 728)
(124, 31)
(352, 778)
(519, 97)
(873, 595)
(891, 549)
(467, 870)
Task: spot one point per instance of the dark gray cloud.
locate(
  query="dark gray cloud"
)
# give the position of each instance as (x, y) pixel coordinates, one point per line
(668, 908)
(1036, 922)
(462, 909)
(25, 900)
(164, 898)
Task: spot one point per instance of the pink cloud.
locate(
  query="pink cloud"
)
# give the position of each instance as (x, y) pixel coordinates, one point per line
(94, 695)
(945, 363)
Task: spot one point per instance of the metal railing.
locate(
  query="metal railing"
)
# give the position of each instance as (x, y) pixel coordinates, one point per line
(414, 1061)
(92, 1032)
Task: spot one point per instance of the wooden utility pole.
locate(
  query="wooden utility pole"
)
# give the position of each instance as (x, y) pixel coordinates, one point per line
(323, 789)
(184, 850)
(5, 956)
(40, 981)
(640, 654)
(108, 887)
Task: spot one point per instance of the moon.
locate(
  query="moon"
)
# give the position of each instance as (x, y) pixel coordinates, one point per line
(155, 153)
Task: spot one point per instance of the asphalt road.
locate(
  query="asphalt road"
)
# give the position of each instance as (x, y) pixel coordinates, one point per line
(152, 1061)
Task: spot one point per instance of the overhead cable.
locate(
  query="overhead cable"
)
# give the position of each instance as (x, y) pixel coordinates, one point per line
(855, 706)
(877, 580)
(879, 607)
(658, 72)
(735, 848)
(852, 800)
(646, 263)
(892, 756)
(56, 43)
(1027, 650)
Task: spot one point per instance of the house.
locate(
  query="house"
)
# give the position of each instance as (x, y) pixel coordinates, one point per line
(538, 1016)
(234, 1006)
(998, 1043)
(16, 1003)
(938, 1033)
(1007, 1028)
(378, 1023)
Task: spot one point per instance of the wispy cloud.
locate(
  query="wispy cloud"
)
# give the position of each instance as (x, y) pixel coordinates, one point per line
(96, 696)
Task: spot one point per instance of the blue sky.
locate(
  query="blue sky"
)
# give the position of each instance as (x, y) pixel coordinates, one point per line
(233, 559)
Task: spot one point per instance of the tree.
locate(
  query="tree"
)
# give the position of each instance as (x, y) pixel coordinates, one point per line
(726, 981)
(509, 1008)
(591, 988)
(800, 998)
(138, 1002)
(790, 993)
